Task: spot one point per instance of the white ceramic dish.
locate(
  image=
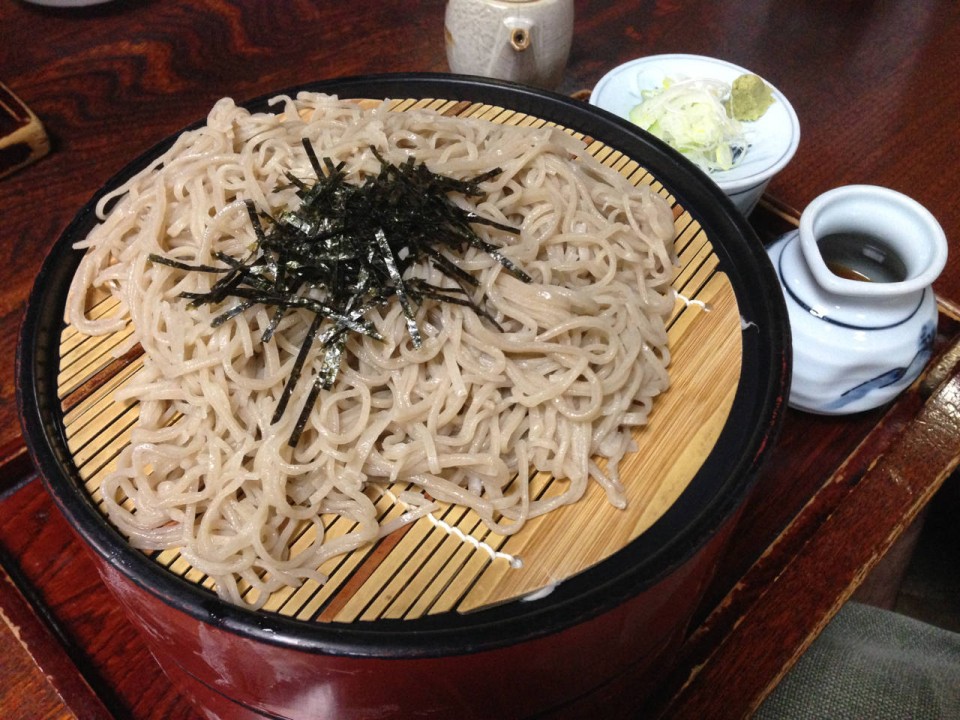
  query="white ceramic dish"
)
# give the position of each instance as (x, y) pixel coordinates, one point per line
(773, 139)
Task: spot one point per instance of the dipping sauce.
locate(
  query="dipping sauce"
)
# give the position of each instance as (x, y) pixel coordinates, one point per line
(860, 256)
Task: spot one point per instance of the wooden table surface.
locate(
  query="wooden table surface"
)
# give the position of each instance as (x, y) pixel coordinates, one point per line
(876, 89)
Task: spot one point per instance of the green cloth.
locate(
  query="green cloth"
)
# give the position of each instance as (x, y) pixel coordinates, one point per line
(872, 664)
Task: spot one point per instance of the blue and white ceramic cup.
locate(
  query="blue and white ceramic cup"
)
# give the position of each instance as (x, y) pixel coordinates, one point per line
(857, 277)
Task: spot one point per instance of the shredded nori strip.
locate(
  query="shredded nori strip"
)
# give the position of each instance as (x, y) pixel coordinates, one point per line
(347, 249)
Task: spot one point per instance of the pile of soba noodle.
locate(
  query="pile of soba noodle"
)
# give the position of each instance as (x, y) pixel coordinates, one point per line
(467, 418)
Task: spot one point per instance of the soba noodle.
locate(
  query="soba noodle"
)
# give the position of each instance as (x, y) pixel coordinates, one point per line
(467, 418)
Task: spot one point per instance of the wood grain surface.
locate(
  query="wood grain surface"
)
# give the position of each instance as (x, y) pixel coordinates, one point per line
(876, 87)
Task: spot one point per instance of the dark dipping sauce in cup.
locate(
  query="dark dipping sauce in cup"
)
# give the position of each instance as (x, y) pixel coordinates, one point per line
(860, 256)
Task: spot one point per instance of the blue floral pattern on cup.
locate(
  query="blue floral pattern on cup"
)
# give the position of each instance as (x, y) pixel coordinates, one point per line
(893, 376)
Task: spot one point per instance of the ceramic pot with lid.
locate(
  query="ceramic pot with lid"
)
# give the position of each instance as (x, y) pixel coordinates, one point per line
(526, 41)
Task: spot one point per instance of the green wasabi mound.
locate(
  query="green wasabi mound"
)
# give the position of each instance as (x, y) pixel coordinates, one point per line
(749, 99)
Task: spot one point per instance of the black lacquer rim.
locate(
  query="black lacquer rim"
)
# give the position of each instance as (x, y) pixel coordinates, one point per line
(710, 499)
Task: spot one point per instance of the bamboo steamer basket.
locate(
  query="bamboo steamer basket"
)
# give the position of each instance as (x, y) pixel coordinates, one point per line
(434, 620)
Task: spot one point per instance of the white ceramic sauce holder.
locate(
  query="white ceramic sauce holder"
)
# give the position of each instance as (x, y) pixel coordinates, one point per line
(525, 41)
(858, 344)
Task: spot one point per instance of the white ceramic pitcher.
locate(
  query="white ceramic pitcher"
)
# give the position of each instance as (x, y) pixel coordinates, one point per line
(858, 341)
(526, 41)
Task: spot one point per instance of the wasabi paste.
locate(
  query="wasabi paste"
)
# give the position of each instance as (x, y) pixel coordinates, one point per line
(749, 98)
